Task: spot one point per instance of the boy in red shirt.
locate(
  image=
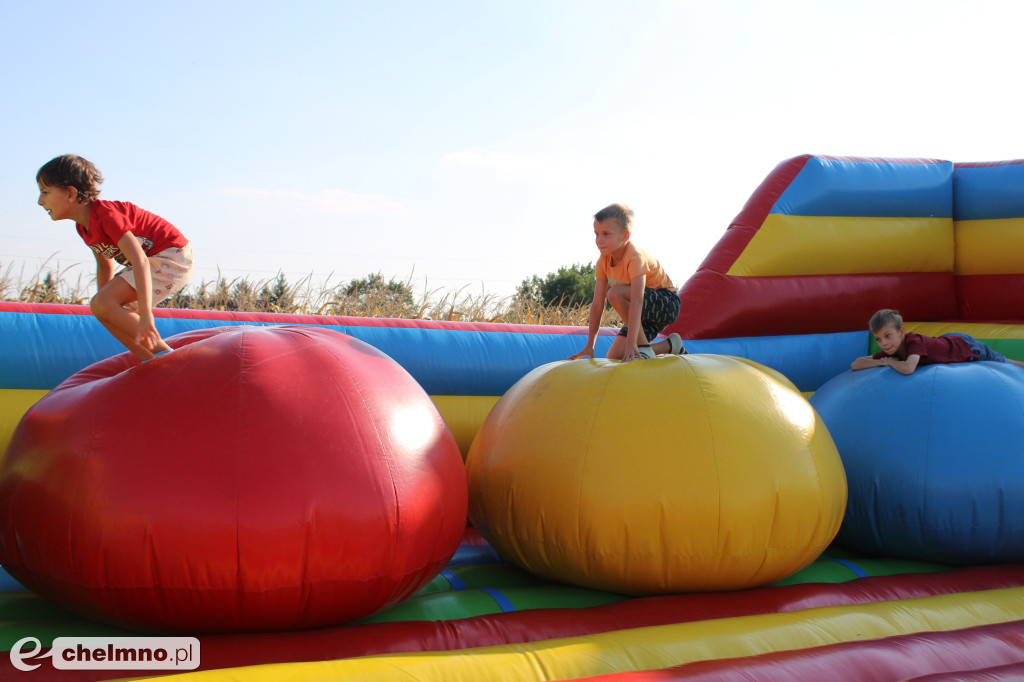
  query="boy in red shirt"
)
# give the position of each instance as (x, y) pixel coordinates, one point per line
(158, 256)
(904, 351)
(636, 286)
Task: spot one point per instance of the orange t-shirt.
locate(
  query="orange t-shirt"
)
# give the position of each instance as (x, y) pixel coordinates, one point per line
(635, 262)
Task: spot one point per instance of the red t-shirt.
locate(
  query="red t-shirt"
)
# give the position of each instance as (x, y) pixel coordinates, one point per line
(111, 220)
(934, 350)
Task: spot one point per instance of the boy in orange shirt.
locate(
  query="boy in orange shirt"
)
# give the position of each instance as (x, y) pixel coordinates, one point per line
(636, 286)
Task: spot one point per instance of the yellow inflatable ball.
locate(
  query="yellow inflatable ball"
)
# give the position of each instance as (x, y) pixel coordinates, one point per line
(677, 474)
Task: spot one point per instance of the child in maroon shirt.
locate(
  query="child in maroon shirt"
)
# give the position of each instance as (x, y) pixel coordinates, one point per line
(904, 351)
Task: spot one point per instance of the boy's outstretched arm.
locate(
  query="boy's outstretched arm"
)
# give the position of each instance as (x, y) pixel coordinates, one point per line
(596, 313)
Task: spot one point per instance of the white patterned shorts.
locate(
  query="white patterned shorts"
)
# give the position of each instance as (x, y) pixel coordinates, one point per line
(169, 270)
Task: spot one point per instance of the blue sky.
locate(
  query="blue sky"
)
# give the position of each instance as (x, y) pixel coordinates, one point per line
(468, 143)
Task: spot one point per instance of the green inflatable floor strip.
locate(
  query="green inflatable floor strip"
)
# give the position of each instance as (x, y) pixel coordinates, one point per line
(477, 602)
(843, 570)
(484, 575)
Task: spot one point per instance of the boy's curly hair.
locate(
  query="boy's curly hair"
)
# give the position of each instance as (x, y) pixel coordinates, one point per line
(69, 170)
(619, 212)
(886, 318)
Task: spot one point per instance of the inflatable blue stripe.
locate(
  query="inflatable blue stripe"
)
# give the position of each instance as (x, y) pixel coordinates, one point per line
(9, 584)
(989, 192)
(827, 187)
(807, 360)
(475, 554)
(503, 602)
(453, 579)
(42, 350)
(857, 570)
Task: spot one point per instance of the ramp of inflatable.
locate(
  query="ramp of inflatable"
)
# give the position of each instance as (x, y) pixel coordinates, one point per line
(824, 242)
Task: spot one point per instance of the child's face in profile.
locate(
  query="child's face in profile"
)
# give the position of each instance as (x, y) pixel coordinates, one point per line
(610, 236)
(58, 201)
(890, 339)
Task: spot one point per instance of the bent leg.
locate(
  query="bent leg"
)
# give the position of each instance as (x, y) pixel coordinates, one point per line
(616, 349)
(618, 297)
(108, 307)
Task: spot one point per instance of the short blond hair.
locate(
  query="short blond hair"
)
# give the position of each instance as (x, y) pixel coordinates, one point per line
(886, 318)
(620, 213)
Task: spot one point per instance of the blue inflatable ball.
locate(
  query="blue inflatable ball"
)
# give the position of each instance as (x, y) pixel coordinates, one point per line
(934, 461)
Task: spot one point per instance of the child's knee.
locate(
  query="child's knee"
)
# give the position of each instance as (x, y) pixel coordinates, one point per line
(618, 295)
(101, 306)
(97, 306)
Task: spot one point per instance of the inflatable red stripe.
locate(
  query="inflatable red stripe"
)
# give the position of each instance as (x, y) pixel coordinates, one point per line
(991, 297)
(716, 305)
(748, 222)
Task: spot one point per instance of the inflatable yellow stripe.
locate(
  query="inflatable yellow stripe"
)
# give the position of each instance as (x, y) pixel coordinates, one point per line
(822, 245)
(989, 247)
(975, 329)
(14, 403)
(462, 413)
(657, 647)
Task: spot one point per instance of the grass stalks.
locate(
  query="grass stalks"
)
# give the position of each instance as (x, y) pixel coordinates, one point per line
(49, 284)
(370, 297)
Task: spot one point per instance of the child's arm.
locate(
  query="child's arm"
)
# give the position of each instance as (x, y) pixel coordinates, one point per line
(147, 335)
(903, 366)
(596, 312)
(866, 362)
(636, 309)
(104, 270)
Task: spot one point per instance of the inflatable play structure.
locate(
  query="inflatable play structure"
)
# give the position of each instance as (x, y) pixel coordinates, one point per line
(302, 507)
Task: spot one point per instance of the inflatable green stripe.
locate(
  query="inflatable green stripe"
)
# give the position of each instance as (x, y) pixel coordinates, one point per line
(838, 570)
(1011, 348)
(479, 602)
(482, 575)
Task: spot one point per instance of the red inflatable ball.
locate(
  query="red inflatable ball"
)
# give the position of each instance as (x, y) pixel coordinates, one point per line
(257, 478)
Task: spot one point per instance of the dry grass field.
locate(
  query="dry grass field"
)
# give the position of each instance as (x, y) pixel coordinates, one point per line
(52, 284)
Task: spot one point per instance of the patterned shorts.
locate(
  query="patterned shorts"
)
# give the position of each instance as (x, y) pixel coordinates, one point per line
(661, 308)
(169, 270)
